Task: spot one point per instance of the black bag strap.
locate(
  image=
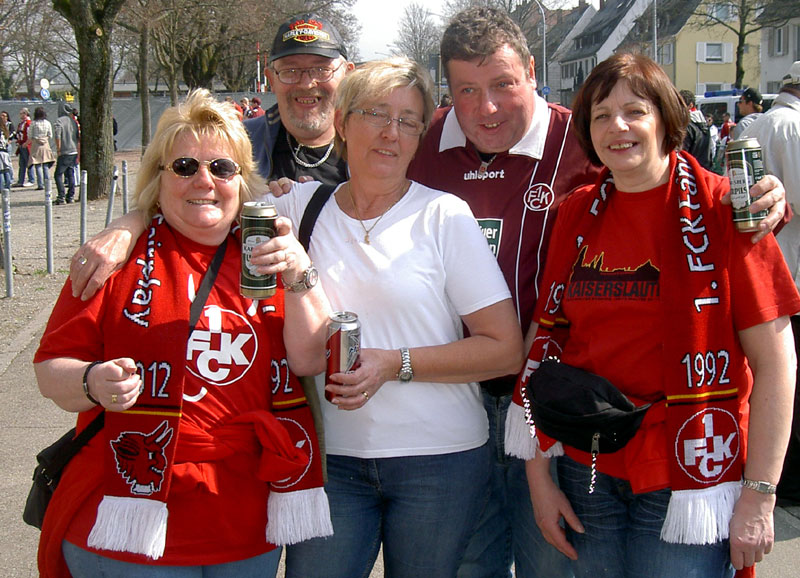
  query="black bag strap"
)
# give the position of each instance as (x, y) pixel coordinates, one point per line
(71, 450)
(205, 286)
(318, 200)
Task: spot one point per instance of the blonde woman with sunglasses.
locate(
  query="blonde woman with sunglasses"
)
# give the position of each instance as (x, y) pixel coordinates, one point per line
(207, 459)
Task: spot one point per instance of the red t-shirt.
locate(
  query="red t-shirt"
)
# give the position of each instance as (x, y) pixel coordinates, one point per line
(238, 361)
(613, 304)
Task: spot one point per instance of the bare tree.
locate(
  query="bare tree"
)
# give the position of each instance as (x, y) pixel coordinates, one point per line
(93, 23)
(419, 34)
(744, 18)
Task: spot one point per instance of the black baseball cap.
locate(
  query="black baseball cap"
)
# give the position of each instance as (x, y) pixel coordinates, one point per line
(307, 34)
(752, 95)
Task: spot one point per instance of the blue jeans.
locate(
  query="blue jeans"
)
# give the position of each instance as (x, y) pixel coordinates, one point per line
(65, 166)
(42, 174)
(506, 530)
(622, 538)
(422, 508)
(24, 155)
(85, 564)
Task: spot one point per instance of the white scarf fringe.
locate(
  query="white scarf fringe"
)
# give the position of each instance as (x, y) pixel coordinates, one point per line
(296, 516)
(136, 525)
(699, 517)
(518, 440)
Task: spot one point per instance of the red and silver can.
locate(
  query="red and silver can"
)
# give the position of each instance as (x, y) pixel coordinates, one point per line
(258, 226)
(344, 345)
(745, 168)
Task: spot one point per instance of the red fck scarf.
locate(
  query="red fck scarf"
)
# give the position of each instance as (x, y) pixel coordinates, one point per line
(703, 419)
(140, 450)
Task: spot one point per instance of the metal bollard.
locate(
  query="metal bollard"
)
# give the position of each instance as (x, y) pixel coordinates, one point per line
(48, 224)
(124, 187)
(7, 238)
(110, 209)
(83, 207)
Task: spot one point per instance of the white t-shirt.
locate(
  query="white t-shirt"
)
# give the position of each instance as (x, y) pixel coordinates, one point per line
(426, 265)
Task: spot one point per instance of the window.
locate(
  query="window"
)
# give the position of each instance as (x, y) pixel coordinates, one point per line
(796, 43)
(774, 86)
(665, 53)
(721, 12)
(778, 42)
(714, 52)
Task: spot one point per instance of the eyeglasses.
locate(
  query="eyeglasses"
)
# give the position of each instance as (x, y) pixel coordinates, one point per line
(317, 74)
(187, 167)
(380, 118)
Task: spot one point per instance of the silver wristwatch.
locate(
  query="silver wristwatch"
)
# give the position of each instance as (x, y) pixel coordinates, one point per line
(759, 486)
(307, 280)
(406, 373)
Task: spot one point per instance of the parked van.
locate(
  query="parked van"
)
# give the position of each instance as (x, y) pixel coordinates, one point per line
(718, 102)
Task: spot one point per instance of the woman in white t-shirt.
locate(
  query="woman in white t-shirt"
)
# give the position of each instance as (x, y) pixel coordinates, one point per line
(406, 432)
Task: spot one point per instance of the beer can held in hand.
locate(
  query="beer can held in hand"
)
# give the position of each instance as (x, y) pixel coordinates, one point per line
(745, 168)
(344, 345)
(258, 226)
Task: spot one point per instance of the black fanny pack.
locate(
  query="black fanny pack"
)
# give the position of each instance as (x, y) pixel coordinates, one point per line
(581, 409)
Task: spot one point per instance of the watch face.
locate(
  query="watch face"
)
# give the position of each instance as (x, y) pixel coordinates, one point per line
(312, 276)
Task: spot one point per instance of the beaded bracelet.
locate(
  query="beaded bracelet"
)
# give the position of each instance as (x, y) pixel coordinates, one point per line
(86, 385)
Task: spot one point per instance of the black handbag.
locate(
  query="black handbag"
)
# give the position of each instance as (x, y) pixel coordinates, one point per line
(51, 463)
(581, 409)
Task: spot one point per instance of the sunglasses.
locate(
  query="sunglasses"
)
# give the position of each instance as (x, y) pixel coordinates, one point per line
(187, 167)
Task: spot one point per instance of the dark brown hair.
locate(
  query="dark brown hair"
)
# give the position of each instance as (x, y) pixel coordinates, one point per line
(477, 33)
(646, 80)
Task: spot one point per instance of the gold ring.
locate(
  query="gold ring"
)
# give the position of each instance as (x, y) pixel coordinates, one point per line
(366, 395)
(82, 260)
(113, 398)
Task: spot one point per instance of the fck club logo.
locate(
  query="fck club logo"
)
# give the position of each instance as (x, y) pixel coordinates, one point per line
(706, 457)
(539, 197)
(222, 347)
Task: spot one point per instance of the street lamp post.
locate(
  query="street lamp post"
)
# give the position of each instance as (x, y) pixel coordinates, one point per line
(544, 45)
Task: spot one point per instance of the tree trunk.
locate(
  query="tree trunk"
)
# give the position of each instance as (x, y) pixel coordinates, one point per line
(93, 21)
(97, 150)
(144, 75)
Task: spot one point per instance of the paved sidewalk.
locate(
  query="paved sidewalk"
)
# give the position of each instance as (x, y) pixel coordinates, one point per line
(30, 422)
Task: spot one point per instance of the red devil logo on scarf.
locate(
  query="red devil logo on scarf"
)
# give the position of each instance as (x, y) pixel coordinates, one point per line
(141, 459)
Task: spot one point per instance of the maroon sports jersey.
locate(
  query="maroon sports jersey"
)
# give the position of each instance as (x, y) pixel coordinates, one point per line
(514, 196)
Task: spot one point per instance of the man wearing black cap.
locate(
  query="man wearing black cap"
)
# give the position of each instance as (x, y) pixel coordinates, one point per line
(295, 138)
(749, 109)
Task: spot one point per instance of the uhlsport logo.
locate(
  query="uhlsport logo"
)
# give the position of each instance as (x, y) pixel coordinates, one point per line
(306, 31)
(141, 460)
(539, 197)
(706, 457)
(222, 347)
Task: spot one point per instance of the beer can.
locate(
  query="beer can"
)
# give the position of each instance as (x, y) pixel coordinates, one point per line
(343, 346)
(745, 167)
(258, 225)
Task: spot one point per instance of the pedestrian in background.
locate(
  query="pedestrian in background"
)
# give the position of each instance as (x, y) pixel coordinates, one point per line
(67, 137)
(778, 132)
(42, 158)
(24, 149)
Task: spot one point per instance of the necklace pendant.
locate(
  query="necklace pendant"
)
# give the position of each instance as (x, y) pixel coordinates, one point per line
(366, 238)
(483, 168)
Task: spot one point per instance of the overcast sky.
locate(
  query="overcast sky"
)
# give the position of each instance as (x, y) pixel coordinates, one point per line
(379, 21)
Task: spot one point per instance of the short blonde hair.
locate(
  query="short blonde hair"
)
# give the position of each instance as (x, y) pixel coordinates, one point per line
(200, 115)
(376, 79)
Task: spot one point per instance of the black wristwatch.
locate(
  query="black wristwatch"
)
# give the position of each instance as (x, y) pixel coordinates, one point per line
(307, 280)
